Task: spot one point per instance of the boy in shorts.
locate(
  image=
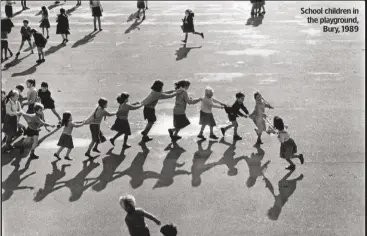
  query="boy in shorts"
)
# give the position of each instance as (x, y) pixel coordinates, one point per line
(40, 42)
(25, 31)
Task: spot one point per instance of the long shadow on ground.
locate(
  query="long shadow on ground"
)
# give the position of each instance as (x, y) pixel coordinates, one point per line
(87, 39)
(14, 62)
(182, 52)
(255, 168)
(134, 26)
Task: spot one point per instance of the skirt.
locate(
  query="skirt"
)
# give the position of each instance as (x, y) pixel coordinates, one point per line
(149, 114)
(121, 126)
(62, 30)
(259, 122)
(30, 109)
(140, 5)
(10, 125)
(45, 24)
(97, 135)
(66, 141)
(207, 119)
(31, 132)
(96, 12)
(48, 104)
(8, 11)
(287, 149)
(180, 121)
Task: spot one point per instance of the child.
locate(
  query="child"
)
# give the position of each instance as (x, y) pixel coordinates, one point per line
(25, 31)
(122, 125)
(258, 115)
(233, 113)
(3, 106)
(45, 23)
(206, 115)
(24, 4)
(31, 96)
(48, 103)
(180, 120)
(142, 6)
(40, 42)
(94, 122)
(34, 121)
(6, 26)
(169, 230)
(188, 25)
(149, 105)
(288, 147)
(66, 140)
(11, 118)
(96, 7)
(135, 217)
(20, 89)
(63, 25)
(9, 8)
(79, 2)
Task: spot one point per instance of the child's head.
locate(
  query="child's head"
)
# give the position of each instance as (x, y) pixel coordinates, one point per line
(25, 23)
(44, 86)
(209, 92)
(3, 94)
(157, 86)
(278, 123)
(31, 83)
(127, 202)
(62, 11)
(20, 88)
(33, 31)
(38, 108)
(240, 97)
(169, 230)
(182, 84)
(189, 12)
(44, 9)
(66, 117)
(102, 102)
(123, 97)
(257, 96)
(13, 95)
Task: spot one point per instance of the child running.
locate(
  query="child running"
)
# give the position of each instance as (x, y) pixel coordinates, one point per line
(63, 26)
(121, 124)
(142, 6)
(48, 103)
(40, 42)
(94, 122)
(45, 23)
(188, 25)
(34, 121)
(150, 103)
(11, 118)
(25, 32)
(135, 218)
(233, 113)
(180, 120)
(258, 115)
(206, 115)
(31, 96)
(66, 140)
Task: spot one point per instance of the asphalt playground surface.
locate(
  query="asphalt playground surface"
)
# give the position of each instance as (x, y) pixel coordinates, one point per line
(314, 80)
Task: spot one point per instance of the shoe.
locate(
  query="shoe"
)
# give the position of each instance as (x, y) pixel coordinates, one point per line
(223, 130)
(66, 40)
(43, 60)
(38, 61)
(87, 154)
(259, 141)
(47, 37)
(59, 124)
(200, 136)
(126, 146)
(112, 142)
(212, 136)
(32, 52)
(237, 137)
(184, 41)
(33, 156)
(146, 139)
(17, 54)
(57, 156)
(202, 35)
(301, 158)
(96, 150)
(291, 167)
(68, 158)
(176, 138)
(95, 29)
(11, 54)
(170, 131)
(100, 29)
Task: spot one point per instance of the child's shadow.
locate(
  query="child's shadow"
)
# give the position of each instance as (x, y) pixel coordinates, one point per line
(286, 189)
(198, 163)
(14, 180)
(255, 167)
(26, 72)
(30, 48)
(71, 10)
(228, 158)
(17, 13)
(134, 26)
(87, 39)
(255, 21)
(54, 49)
(136, 171)
(132, 16)
(14, 62)
(51, 182)
(182, 52)
(170, 164)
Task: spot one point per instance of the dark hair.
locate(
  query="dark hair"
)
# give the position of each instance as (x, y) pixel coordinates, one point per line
(278, 123)
(190, 12)
(240, 95)
(169, 230)
(20, 87)
(101, 103)
(157, 86)
(44, 84)
(3, 91)
(37, 106)
(33, 31)
(65, 118)
(255, 94)
(62, 11)
(182, 84)
(32, 81)
(26, 21)
(44, 10)
(122, 97)
(11, 94)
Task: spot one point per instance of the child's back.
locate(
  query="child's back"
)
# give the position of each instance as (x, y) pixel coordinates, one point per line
(136, 223)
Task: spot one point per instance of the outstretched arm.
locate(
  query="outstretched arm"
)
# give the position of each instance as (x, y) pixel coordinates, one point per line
(151, 217)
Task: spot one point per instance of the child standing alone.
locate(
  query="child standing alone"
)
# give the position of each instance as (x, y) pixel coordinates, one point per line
(63, 25)
(45, 23)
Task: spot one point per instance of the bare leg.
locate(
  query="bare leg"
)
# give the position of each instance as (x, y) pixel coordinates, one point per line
(95, 23)
(59, 151)
(21, 46)
(47, 33)
(90, 148)
(202, 130)
(112, 140)
(99, 23)
(147, 128)
(68, 152)
(56, 114)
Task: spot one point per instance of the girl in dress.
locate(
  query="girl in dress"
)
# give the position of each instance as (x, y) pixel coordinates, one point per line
(45, 23)
(135, 218)
(66, 140)
(9, 8)
(63, 25)
(206, 115)
(142, 6)
(288, 147)
(48, 103)
(11, 118)
(188, 25)
(180, 120)
(122, 125)
(94, 122)
(258, 115)
(31, 96)
(97, 10)
(40, 42)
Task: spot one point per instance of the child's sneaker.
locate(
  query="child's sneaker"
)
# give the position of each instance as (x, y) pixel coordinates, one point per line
(112, 142)
(126, 146)
(59, 124)
(68, 158)
(96, 150)
(146, 139)
(212, 136)
(200, 136)
(291, 167)
(38, 61)
(33, 156)
(57, 156)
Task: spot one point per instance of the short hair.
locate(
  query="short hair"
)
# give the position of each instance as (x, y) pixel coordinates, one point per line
(33, 31)
(62, 11)
(65, 118)
(3, 91)
(157, 86)
(255, 94)
(240, 95)
(182, 84)
(209, 91)
(127, 200)
(26, 21)
(20, 87)
(102, 102)
(278, 123)
(169, 230)
(44, 84)
(38, 106)
(32, 81)
(122, 97)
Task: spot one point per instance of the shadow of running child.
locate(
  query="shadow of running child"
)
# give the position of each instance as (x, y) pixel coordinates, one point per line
(255, 167)
(87, 39)
(134, 26)
(228, 158)
(182, 52)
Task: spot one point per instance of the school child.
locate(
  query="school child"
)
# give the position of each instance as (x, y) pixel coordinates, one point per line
(79, 2)
(40, 42)
(150, 103)
(233, 113)
(24, 4)
(63, 25)
(25, 31)
(9, 8)
(260, 5)
(45, 23)
(20, 89)
(121, 124)
(206, 115)
(180, 120)
(142, 6)
(188, 25)
(288, 147)
(31, 96)
(258, 115)
(3, 106)
(135, 218)
(97, 10)
(169, 230)
(11, 118)
(6, 27)
(94, 122)
(34, 121)
(48, 103)
(66, 140)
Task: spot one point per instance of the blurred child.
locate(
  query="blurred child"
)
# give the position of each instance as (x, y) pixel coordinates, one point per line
(25, 32)
(188, 25)
(45, 23)
(11, 118)
(3, 107)
(63, 25)
(142, 6)
(9, 8)
(31, 96)
(40, 42)
(48, 103)
(6, 26)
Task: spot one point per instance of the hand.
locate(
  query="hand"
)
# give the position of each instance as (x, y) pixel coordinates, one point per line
(158, 222)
